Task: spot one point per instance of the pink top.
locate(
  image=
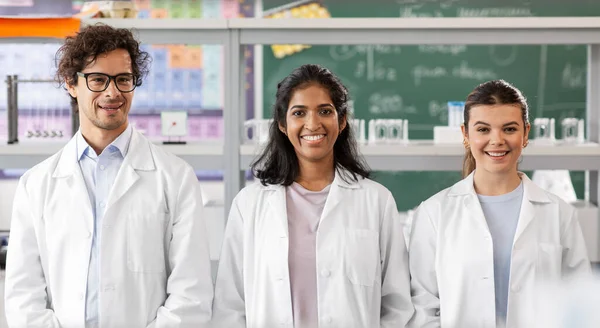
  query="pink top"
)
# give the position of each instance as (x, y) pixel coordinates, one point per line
(304, 209)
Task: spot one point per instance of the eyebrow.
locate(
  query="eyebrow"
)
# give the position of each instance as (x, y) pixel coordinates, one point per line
(305, 107)
(504, 125)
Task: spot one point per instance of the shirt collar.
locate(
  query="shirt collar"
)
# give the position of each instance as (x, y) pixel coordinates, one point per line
(121, 144)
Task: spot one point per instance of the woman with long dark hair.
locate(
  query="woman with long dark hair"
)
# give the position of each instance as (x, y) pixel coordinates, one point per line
(314, 243)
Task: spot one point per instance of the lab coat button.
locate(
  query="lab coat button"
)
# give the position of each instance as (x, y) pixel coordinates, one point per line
(325, 273)
(437, 313)
(516, 288)
(81, 296)
(102, 167)
(89, 235)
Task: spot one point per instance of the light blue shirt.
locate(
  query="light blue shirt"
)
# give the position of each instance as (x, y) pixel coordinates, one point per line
(502, 216)
(99, 173)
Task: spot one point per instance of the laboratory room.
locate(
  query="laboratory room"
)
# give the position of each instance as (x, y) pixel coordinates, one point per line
(311, 163)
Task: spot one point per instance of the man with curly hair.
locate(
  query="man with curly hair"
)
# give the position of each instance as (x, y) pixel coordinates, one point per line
(109, 231)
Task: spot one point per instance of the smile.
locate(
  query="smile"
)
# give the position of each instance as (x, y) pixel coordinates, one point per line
(497, 155)
(111, 107)
(313, 138)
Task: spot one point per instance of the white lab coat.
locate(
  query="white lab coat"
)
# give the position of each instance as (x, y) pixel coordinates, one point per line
(362, 264)
(452, 265)
(154, 258)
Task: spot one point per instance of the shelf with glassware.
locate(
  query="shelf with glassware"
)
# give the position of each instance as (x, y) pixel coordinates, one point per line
(438, 30)
(424, 155)
(200, 155)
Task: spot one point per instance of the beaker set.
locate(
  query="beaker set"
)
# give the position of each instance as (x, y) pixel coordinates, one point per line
(380, 131)
(573, 130)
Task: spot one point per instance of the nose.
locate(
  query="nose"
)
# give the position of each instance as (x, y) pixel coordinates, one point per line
(497, 138)
(112, 91)
(312, 122)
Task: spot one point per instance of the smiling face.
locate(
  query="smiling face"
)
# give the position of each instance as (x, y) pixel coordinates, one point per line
(107, 110)
(312, 124)
(496, 135)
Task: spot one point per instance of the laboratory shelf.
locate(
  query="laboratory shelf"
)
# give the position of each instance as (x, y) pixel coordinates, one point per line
(171, 31)
(201, 156)
(438, 30)
(424, 155)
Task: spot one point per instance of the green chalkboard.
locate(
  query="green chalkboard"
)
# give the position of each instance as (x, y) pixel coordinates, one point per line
(415, 82)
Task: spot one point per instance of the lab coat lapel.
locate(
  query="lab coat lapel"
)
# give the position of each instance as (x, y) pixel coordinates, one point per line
(139, 158)
(277, 202)
(471, 203)
(67, 171)
(531, 194)
(337, 191)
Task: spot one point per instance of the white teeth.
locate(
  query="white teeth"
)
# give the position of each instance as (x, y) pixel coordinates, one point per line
(496, 154)
(313, 138)
(111, 107)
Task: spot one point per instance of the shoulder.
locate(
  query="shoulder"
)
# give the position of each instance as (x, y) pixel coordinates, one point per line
(374, 187)
(166, 159)
(540, 195)
(444, 196)
(42, 171)
(253, 192)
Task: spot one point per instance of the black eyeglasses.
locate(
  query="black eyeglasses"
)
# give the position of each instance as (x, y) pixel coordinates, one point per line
(98, 82)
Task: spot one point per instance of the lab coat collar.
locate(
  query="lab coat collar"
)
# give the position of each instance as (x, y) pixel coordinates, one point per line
(342, 178)
(531, 191)
(278, 199)
(139, 156)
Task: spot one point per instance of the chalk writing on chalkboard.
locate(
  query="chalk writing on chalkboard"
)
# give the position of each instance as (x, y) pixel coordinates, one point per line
(573, 76)
(386, 102)
(503, 55)
(345, 52)
(438, 109)
(443, 49)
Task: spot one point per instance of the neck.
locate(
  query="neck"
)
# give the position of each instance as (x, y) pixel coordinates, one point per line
(98, 138)
(315, 176)
(488, 184)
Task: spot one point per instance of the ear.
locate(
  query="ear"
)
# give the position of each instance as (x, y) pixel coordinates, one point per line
(282, 129)
(71, 88)
(464, 131)
(343, 124)
(527, 129)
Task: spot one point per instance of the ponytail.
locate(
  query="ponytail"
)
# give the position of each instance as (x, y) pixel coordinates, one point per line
(468, 163)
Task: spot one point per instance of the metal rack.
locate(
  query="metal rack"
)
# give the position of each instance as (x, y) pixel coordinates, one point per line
(12, 82)
(234, 34)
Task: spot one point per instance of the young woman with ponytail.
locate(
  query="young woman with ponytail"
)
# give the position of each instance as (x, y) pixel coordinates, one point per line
(479, 248)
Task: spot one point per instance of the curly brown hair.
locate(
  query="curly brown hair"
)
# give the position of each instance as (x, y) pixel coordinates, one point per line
(80, 50)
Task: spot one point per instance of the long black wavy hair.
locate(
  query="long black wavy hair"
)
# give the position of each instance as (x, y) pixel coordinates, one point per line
(278, 163)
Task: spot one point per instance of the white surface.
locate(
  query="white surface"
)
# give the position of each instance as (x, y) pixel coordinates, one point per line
(475, 23)
(427, 147)
(588, 219)
(174, 123)
(212, 193)
(50, 148)
(162, 24)
(447, 134)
